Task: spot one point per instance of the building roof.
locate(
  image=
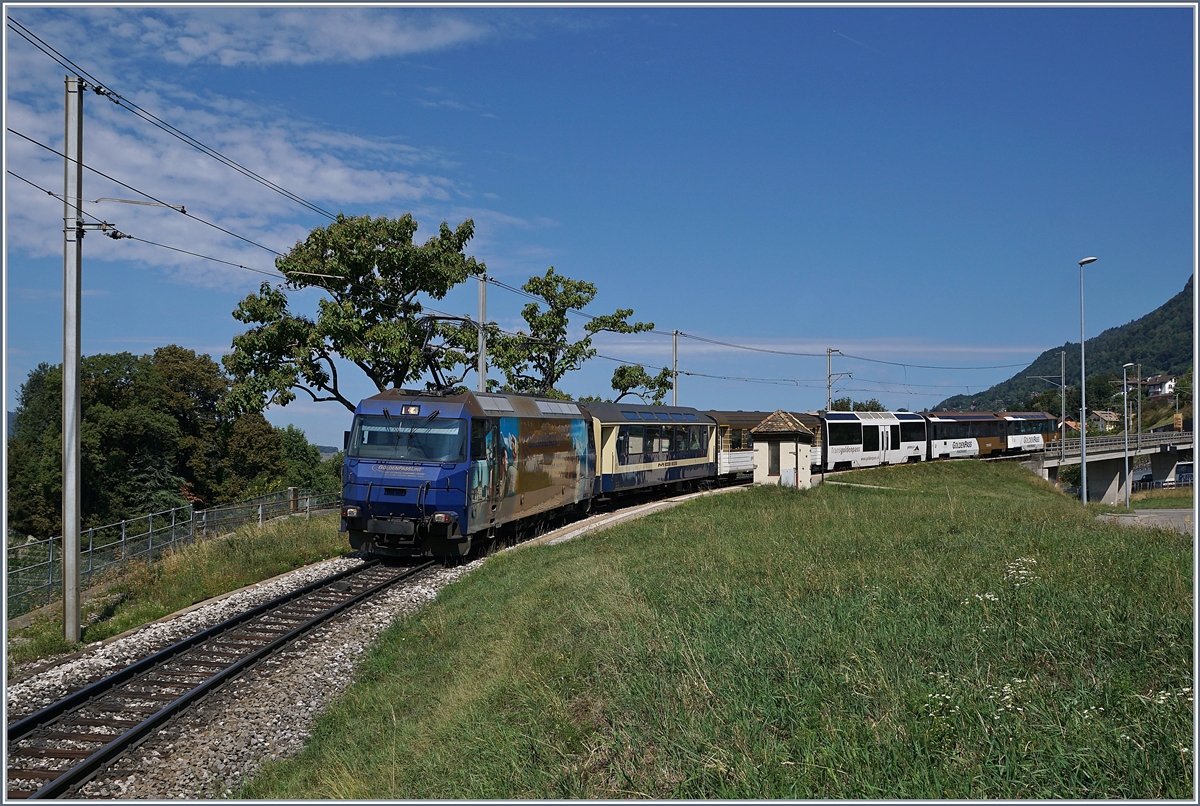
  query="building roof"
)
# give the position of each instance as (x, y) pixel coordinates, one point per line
(1107, 416)
(781, 423)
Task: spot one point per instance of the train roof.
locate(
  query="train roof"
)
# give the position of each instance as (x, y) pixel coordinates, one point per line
(962, 416)
(631, 412)
(1026, 415)
(867, 416)
(739, 418)
(473, 403)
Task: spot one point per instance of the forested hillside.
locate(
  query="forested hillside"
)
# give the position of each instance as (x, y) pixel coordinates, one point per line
(1161, 340)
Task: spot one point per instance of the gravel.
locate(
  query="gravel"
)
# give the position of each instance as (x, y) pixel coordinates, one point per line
(266, 713)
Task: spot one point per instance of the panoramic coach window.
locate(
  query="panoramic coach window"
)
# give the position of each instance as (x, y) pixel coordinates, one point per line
(635, 441)
(845, 434)
(912, 432)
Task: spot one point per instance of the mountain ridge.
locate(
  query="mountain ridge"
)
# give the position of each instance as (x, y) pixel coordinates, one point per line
(1161, 340)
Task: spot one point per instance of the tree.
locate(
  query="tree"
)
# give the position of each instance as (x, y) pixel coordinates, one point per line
(129, 446)
(632, 379)
(373, 274)
(846, 404)
(537, 361)
(253, 463)
(304, 467)
(190, 388)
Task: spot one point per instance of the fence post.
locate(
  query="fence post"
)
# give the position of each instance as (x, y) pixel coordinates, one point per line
(91, 538)
(50, 566)
(173, 511)
(308, 508)
(260, 515)
(122, 539)
(191, 524)
(150, 539)
(204, 523)
(293, 499)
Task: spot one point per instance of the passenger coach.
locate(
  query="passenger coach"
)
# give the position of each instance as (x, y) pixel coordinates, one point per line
(870, 438)
(648, 446)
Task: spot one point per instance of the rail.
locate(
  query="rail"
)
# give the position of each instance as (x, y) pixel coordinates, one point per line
(44, 754)
(34, 567)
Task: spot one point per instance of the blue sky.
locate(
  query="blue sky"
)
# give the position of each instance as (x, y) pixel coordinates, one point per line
(908, 184)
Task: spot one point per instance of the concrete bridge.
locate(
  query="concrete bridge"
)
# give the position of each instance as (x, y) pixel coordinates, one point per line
(1106, 460)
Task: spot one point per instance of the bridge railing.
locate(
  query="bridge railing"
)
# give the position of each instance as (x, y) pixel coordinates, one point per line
(1117, 443)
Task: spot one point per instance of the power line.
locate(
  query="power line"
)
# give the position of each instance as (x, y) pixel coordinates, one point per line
(731, 345)
(159, 123)
(180, 210)
(119, 235)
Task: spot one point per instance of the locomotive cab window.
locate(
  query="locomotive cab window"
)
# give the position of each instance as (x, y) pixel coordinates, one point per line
(423, 439)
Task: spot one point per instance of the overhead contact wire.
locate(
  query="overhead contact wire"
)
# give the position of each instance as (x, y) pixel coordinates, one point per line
(147, 195)
(149, 117)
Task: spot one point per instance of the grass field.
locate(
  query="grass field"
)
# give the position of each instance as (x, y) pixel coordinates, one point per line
(974, 634)
(1183, 498)
(191, 574)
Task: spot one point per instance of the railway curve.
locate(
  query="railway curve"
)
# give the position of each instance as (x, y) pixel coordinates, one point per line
(64, 745)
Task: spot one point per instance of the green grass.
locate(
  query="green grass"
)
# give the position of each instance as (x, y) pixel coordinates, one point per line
(149, 591)
(972, 635)
(1162, 499)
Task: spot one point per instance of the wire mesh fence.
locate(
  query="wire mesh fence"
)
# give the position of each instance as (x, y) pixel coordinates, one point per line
(34, 567)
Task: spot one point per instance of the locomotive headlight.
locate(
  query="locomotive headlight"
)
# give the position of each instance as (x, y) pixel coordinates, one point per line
(350, 512)
(443, 517)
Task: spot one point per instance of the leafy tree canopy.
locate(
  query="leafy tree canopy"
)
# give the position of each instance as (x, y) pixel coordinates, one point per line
(373, 273)
(535, 362)
(632, 379)
(846, 404)
(152, 438)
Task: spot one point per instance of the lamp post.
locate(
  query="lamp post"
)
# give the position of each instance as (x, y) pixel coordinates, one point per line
(1082, 392)
(1125, 403)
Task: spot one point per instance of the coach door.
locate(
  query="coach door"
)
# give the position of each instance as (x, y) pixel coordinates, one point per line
(870, 444)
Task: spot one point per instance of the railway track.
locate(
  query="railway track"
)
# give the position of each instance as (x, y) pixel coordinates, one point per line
(54, 751)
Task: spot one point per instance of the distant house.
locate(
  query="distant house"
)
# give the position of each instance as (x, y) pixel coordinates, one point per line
(781, 451)
(1159, 384)
(1108, 420)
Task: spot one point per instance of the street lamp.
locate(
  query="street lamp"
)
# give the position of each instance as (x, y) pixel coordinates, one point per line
(1125, 403)
(1082, 392)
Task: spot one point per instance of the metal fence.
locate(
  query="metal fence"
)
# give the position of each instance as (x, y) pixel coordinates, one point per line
(34, 567)
(1117, 443)
(1167, 484)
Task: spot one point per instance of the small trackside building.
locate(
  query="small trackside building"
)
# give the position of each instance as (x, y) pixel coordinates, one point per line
(781, 451)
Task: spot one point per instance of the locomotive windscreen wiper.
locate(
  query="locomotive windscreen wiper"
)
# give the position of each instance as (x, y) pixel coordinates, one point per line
(414, 426)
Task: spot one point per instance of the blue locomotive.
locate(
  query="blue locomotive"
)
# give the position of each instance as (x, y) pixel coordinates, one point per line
(429, 474)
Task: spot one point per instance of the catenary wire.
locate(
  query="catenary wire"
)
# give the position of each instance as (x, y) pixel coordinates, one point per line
(147, 195)
(130, 106)
(119, 234)
(731, 345)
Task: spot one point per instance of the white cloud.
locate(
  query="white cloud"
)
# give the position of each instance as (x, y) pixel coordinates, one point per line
(234, 37)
